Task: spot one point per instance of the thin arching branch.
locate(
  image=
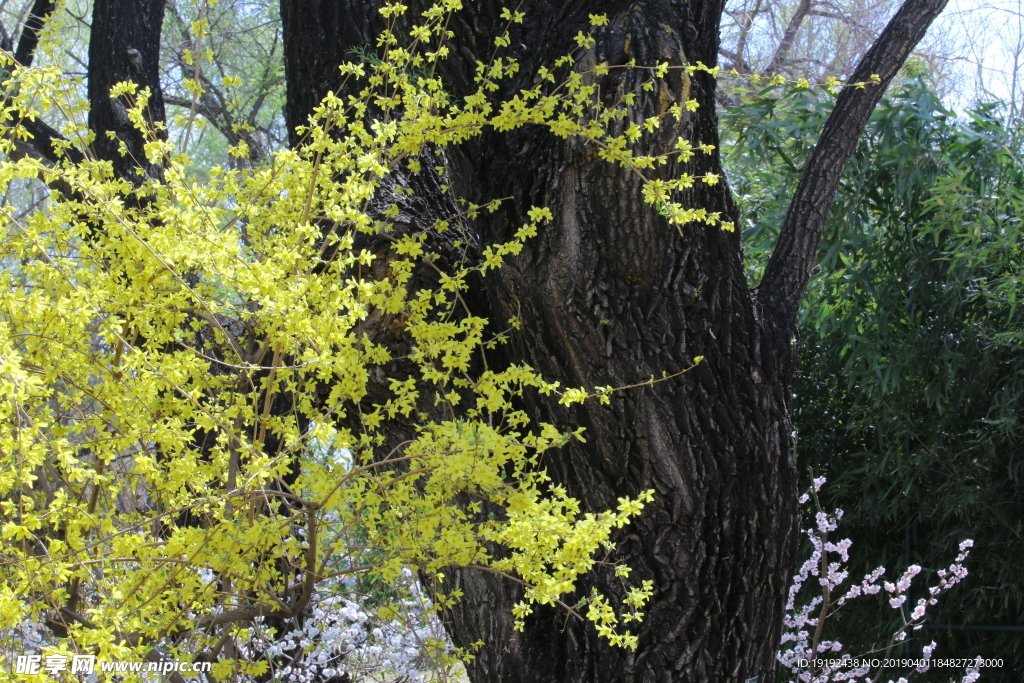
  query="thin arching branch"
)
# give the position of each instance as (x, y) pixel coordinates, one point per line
(789, 269)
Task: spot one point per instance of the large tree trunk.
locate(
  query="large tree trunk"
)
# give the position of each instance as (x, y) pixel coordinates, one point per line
(610, 294)
(124, 45)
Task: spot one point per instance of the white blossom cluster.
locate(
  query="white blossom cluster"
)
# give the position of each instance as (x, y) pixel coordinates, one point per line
(341, 636)
(804, 624)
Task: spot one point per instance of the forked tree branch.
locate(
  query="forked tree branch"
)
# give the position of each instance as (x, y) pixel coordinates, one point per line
(789, 268)
(782, 52)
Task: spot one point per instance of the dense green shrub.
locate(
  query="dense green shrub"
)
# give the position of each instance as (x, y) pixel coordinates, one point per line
(909, 396)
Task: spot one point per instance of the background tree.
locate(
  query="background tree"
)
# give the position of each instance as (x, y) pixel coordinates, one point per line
(971, 54)
(807, 39)
(239, 38)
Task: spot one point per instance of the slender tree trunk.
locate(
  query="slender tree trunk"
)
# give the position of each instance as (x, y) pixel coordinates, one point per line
(115, 24)
(789, 268)
(609, 294)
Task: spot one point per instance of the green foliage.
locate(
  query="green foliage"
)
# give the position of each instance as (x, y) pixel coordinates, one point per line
(912, 363)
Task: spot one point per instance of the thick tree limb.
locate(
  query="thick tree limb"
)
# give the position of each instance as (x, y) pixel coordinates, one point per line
(41, 11)
(43, 136)
(788, 271)
(42, 144)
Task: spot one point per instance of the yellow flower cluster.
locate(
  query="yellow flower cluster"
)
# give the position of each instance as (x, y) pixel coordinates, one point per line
(149, 335)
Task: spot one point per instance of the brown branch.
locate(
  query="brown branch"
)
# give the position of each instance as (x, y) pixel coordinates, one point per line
(738, 62)
(741, 44)
(42, 146)
(789, 269)
(848, 20)
(744, 19)
(788, 36)
(212, 104)
(249, 612)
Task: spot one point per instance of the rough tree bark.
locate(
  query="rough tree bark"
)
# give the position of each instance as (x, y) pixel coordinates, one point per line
(609, 294)
(124, 45)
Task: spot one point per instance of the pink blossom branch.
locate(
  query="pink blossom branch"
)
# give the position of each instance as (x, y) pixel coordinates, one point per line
(801, 658)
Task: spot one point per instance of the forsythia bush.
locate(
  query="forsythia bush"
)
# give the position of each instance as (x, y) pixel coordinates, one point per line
(190, 448)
